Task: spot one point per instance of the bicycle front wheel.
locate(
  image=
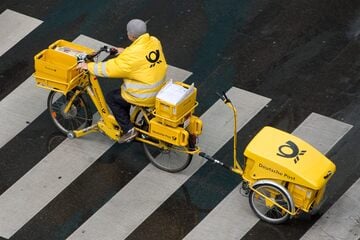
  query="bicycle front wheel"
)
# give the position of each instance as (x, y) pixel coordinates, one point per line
(169, 160)
(78, 116)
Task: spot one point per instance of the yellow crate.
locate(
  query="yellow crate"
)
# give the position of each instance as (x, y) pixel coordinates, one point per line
(55, 67)
(172, 114)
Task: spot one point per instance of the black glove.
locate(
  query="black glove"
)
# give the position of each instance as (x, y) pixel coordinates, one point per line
(113, 51)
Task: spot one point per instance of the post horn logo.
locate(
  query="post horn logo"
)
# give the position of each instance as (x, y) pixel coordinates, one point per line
(153, 58)
(290, 150)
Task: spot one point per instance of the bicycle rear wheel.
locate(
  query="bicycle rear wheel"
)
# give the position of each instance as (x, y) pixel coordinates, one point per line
(169, 160)
(78, 117)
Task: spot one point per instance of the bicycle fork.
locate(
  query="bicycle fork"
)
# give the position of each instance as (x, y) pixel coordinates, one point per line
(106, 125)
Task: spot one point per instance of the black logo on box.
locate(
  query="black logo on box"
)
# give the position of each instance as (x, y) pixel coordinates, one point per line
(290, 150)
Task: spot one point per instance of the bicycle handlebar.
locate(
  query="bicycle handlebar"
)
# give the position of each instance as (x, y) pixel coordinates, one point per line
(90, 57)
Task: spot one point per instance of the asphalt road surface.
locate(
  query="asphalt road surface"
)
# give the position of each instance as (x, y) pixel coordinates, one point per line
(293, 65)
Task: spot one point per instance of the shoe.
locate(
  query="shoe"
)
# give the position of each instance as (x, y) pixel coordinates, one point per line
(129, 136)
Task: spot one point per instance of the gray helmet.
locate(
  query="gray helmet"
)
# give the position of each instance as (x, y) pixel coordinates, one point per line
(136, 27)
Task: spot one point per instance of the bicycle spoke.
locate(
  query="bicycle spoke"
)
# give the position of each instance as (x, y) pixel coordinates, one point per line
(56, 108)
(272, 208)
(72, 125)
(78, 115)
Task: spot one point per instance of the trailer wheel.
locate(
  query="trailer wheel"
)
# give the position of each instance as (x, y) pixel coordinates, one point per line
(264, 208)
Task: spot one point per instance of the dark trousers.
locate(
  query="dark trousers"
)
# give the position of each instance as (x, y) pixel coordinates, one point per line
(120, 109)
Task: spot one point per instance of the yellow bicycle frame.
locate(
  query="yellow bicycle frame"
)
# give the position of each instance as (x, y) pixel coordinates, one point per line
(108, 124)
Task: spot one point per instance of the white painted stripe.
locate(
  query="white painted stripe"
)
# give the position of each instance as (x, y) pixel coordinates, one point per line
(341, 221)
(41, 184)
(233, 216)
(14, 26)
(230, 219)
(151, 187)
(22, 105)
(47, 179)
(177, 74)
(322, 132)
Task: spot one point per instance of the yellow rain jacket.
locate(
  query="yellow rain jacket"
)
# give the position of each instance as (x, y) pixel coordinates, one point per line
(142, 66)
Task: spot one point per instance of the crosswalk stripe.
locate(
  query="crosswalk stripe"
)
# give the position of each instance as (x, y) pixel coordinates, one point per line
(138, 199)
(322, 132)
(233, 215)
(50, 176)
(19, 108)
(14, 26)
(46, 180)
(341, 221)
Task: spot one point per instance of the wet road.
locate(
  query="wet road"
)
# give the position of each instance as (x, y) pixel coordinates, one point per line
(302, 55)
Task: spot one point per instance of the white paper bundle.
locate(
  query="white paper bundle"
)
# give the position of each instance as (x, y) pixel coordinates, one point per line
(174, 93)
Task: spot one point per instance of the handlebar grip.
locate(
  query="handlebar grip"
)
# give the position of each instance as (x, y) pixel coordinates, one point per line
(90, 57)
(226, 98)
(221, 96)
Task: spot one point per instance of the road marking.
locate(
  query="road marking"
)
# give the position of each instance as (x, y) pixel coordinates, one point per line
(22, 106)
(322, 132)
(233, 215)
(50, 176)
(46, 180)
(14, 26)
(19, 108)
(341, 221)
(151, 187)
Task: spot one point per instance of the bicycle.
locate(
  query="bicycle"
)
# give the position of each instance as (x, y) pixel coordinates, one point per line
(168, 138)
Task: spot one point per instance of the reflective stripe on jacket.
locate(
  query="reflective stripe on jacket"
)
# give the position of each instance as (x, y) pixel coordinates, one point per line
(142, 66)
